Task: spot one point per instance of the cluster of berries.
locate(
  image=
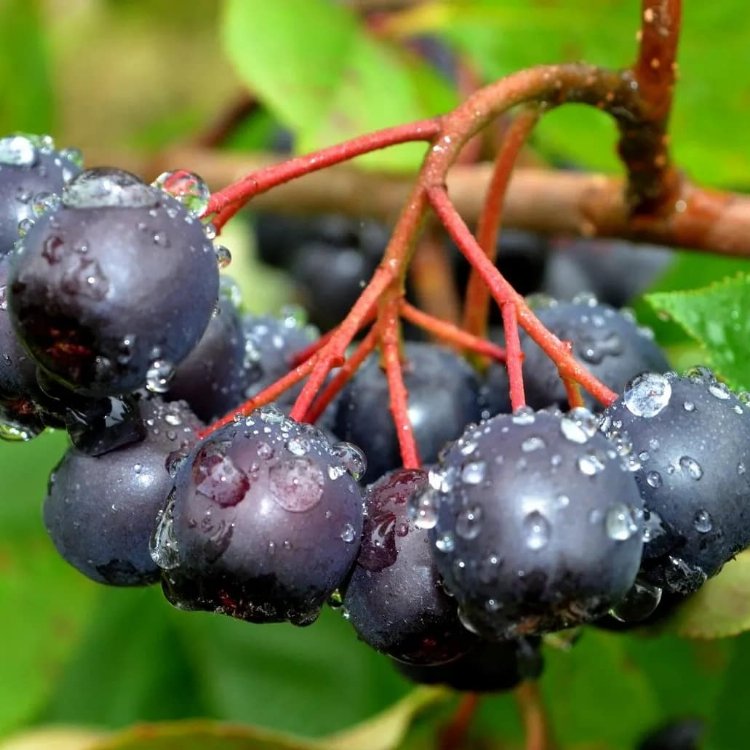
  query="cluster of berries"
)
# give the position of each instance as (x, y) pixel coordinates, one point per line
(116, 326)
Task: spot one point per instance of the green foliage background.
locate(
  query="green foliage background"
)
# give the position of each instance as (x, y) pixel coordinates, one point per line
(110, 75)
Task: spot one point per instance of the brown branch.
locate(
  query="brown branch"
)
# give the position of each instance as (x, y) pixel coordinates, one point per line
(546, 201)
(644, 145)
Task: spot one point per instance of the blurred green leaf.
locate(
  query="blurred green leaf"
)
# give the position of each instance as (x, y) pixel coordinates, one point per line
(24, 68)
(322, 75)
(722, 606)
(595, 692)
(718, 317)
(502, 36)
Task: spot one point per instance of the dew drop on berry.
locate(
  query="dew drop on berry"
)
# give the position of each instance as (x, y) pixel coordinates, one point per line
(647, 394)
(298, 446)
(703, 523)
(163, 545)
(445, 542)
(103, 187)
(719, 390)
(640, 601)
(223, 255)
(579, 425)
(653, 479)
(158, 376)
(17, 151)
(423, 510)
(619, 523)
(351, 458)
(693, 469)
(688, 406)
(536, 530)
(474, 472)
(348, 534)
(469, 522)
(296, 484)
(188, 188)
(590, 464)
(532, 443)
(524, 415)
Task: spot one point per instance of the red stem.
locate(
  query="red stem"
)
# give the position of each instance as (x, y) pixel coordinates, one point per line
(232, 198)
(504, 293)
(513, 355)
(390, 340)
(477, 302)
(450, 333)
(345, 373)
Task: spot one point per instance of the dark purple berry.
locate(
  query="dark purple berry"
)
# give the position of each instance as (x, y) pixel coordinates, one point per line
(486, 668)
(690, 439)
(32, 172)
(535, 521)
(443, 398)
(264, 523)
(394, 598)
(112, 289)
(101, 511)
(608, 342)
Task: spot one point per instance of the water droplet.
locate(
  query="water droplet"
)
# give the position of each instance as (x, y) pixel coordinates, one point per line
(188, 188)
(536, 530)
(619, 523)
(640, 601)
(297, 484)
(703, 523)
(298, 446)
(467, 447)
(158, 376)
(73, 155)
(218, 478)
(719, 390)
(579, 425)
(223, 255)
(44, 202)
(163, 545)
(692, 467)
(104, 187)
(17, 151)
(423, 509)
(161, 239)
(688, 406)
(532, 443)
(445, 542)
(474, 472)
(591, 464)
(647, 394)
(653, 479)
(351, 458)
(349, 534)
(523, 416)
(442, 480)
(469, 522)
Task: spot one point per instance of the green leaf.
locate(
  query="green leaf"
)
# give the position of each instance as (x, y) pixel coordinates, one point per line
(24, 68)
(721, 607)
(594, 692)
(718, 317)
(323, 76)
(710, 107)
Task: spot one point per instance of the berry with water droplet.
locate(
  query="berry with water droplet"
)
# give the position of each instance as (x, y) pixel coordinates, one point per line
(557, 563)
(443, 398)
(608, 342)
(95, 301)
(30, 167)
(394, 598)
(101, 511)
(690, 479)
(257, 530)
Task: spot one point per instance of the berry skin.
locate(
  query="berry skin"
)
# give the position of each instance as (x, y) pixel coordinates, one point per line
(100, 512)
(264, 523)
(535, 522)
(691, 436)
(443, 398)
(210, 377)
(112, 289)
(486, 668)
(394, 598)
(31, 171)
(607, 341)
